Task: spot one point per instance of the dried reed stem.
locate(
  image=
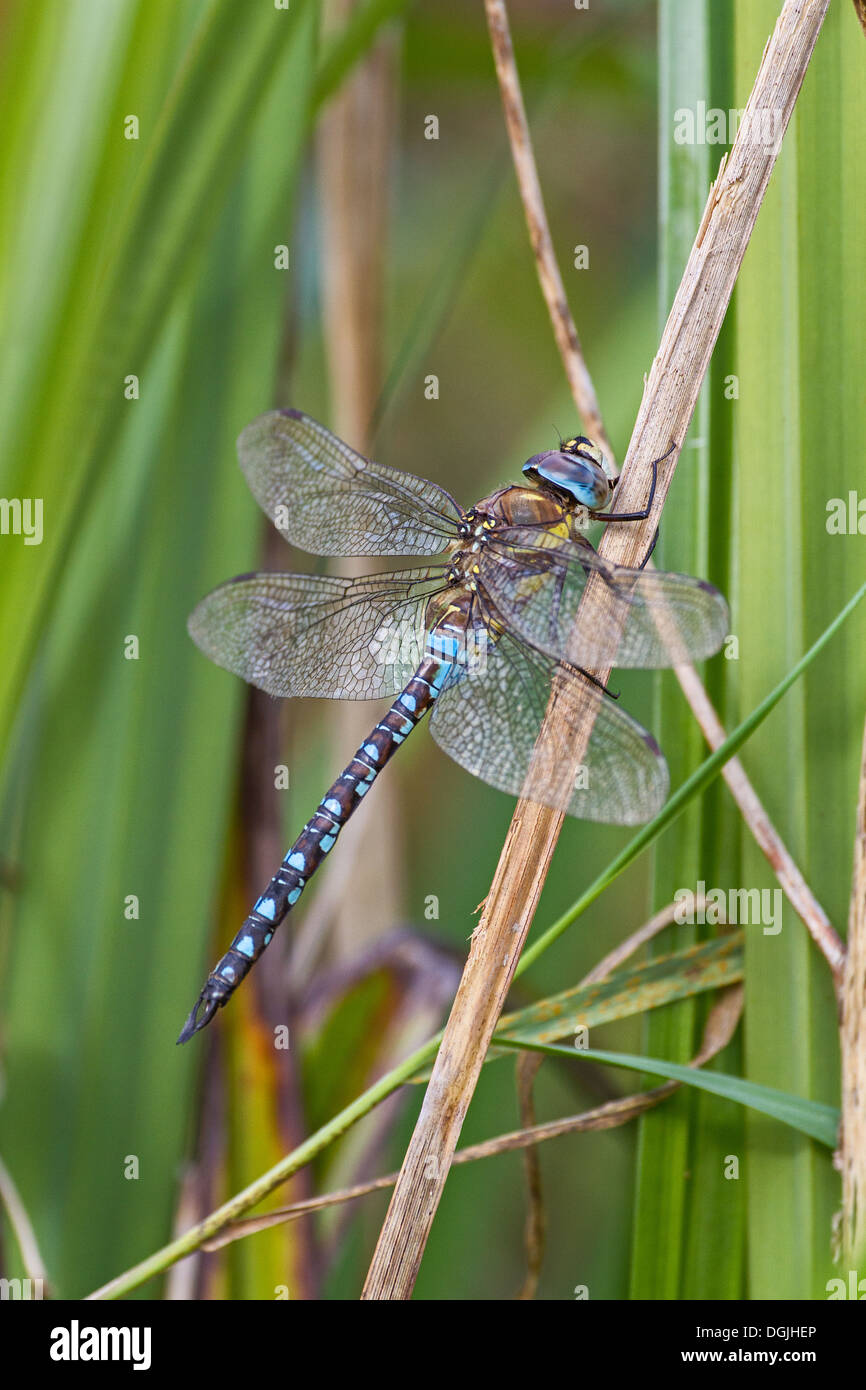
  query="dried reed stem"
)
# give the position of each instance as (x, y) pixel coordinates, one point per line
(359, 901)
(535, 1230)
(668, 402)
(529, 184)
(767, 837)
(852, 1155)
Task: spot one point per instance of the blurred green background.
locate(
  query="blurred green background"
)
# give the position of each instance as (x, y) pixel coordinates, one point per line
(137, 817)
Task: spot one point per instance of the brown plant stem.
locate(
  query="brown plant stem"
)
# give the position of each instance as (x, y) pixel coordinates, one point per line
(527, 1067)
(361, 899)
(529, 185)
(767, 837)
(852, 1157)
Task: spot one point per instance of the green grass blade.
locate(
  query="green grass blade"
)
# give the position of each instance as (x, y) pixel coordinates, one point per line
(801, 417)
(675, 1244)
(146, 747)
(679, 975)
(130, 266)
(819, 1121)
(625, 993)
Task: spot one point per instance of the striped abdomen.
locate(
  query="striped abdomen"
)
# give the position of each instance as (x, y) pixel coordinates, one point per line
(320, 833)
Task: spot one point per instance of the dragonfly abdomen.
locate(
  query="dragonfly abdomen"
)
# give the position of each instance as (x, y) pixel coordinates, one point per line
(319, 836)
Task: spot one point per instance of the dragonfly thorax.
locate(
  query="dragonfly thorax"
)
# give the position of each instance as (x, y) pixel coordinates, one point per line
(492, 519)
(516, 506)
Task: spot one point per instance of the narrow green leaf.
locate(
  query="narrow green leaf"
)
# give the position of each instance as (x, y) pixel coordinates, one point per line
(712, 965)
(675, 1236)
(800, 418)
(66, 427)
(680, 975)
(810, 1117)
(128, 775)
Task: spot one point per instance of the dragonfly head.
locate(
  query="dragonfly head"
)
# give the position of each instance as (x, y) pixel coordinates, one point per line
(575, 470)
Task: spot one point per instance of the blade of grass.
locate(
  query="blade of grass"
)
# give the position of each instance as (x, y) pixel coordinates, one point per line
(669, 1214)
(810, 1117)
(662, 980)
(140, 809)
(117, 303)
(799, 345)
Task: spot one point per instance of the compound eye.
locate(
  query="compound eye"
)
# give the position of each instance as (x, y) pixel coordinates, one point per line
(577, 476)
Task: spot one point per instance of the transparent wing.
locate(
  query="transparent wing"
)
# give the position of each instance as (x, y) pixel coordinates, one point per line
(318, 635)
(324, 497)
(488, 723)
(644, 618)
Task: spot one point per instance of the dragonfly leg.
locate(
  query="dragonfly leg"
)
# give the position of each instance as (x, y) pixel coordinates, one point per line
(653, 543)
(644, 513)
(605, 689)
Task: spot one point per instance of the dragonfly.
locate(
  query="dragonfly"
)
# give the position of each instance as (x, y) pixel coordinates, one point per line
(477, 640)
